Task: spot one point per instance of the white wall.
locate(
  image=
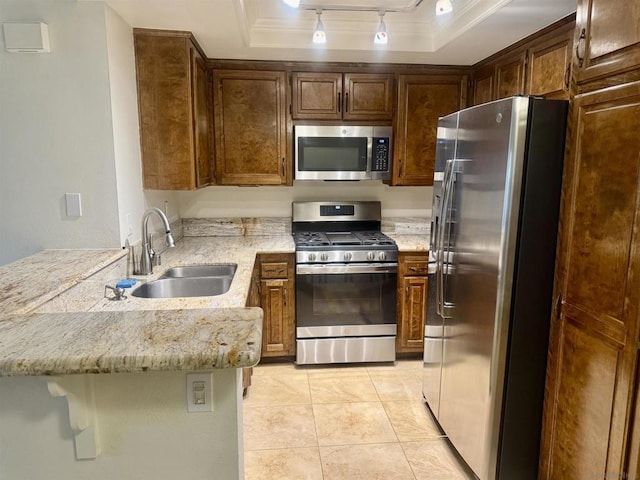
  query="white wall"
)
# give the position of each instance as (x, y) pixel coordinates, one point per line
(56, 133)
(276, 201)
(143, 427)
(126, 138)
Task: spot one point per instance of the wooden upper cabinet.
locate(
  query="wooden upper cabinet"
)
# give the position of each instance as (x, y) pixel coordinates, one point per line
(422, 99)
(593, 340)
(202, 119)
(251, 133)
(607, 38)
(337, 96)
(549, 67)
(510, 76)
(316, 96)
(368, 96)
(484, 85)
(174, 109)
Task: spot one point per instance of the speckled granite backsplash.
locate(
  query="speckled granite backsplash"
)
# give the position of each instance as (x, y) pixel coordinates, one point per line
(232, 227)
(229, 227)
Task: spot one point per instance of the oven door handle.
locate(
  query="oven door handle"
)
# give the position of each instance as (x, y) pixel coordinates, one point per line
(346, 269)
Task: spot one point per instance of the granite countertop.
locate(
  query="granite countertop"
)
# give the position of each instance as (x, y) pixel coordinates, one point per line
(32, 281)
(81, 332)
(54, 319)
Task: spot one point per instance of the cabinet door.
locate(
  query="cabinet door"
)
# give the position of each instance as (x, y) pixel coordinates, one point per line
(277, 330)
(368, 96)
(202, 119)
(250, 128)
(607, 37)
(414, 309)
(165, 110)
(316, 96)
(592, 350)
(421, 100)
(550, 68)
(510, 76)
(483, 85)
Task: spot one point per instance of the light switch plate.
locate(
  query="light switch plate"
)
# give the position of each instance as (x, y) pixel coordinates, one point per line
(197, 384)
(74, 204)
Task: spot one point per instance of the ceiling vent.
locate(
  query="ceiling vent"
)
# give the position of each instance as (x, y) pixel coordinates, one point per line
(26, 37)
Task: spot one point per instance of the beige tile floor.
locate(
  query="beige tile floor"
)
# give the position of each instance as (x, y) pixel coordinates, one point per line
(344, 422)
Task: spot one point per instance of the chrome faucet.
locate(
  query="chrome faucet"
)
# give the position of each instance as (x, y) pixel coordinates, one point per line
(147, 256)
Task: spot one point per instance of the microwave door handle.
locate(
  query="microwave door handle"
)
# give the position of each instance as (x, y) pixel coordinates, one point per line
(440, 240)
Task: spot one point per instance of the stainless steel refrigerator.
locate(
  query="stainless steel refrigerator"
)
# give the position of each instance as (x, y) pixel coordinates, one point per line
(493, 237)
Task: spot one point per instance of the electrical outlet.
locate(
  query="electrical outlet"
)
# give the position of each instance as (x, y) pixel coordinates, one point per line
(200, 392)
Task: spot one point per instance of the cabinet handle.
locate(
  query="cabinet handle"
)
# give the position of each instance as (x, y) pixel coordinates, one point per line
(581, 43)
(346, 102)
(282, 167)
(400, 168)
(413, 269)
(339, 102)
(567, 77)
(285, 296)
(406, 289)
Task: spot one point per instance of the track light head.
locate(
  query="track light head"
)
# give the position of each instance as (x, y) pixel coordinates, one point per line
(319, 35)
(443, 6)
(381, 36)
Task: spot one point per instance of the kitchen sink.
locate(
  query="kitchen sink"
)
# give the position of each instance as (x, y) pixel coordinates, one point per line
(216, 270)
(190, 281)
(184, 287)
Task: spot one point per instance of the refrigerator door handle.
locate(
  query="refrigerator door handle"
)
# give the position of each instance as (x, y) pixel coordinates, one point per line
(446, 197)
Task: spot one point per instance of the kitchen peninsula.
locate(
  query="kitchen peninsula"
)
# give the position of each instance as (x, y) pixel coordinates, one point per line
(57, 331)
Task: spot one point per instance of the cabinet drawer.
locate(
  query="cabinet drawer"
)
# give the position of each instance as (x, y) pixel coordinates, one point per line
(274, 270)
(413, 264)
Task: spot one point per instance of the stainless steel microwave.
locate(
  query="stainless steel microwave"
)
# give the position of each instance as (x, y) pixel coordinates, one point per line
(344, 152)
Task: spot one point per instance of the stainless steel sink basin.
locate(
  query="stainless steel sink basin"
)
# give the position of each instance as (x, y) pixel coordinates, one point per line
(184, 287)
(190, 281)
(214, 270)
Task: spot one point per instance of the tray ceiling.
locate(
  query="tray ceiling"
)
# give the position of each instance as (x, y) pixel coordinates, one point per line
(271, 30)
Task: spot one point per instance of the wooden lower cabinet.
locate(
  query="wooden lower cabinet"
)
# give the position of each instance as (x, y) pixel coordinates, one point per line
(273, 289)
(591, 373)
(412, 301)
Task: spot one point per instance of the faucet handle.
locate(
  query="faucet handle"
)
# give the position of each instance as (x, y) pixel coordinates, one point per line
(117, 291)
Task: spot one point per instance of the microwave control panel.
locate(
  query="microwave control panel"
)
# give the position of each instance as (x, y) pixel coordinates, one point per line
(380, 156)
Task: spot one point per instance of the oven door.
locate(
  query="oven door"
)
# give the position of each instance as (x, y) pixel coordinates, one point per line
(346, 300)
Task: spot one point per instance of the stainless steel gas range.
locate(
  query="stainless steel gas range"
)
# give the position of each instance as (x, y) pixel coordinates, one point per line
(346, 276)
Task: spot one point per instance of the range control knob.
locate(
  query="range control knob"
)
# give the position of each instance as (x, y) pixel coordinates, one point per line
(347, 256)
(382, 256)
(312, 257)
(324, 257)
(371, 256)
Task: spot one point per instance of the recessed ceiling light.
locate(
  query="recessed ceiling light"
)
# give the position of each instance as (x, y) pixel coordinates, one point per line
(292, 3)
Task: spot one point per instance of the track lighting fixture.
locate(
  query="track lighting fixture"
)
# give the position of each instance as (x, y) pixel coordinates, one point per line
(381, 34)
(443, 6)
(319, 36)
